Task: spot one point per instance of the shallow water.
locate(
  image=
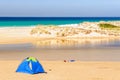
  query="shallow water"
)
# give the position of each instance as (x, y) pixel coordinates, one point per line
(103, 51)
(64, 44)
(76, 43)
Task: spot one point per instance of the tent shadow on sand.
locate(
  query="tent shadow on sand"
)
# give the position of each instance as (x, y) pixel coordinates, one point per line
(30, 65)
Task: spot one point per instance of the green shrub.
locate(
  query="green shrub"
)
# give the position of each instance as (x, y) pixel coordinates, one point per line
(106, 25)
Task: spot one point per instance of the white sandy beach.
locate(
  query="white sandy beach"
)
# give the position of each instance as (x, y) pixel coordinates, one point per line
(15, 35)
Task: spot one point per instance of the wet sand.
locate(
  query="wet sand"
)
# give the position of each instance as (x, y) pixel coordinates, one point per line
(19, 52)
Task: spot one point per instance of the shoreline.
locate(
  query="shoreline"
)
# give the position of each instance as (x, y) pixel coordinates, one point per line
(89, 54)
(31, 39)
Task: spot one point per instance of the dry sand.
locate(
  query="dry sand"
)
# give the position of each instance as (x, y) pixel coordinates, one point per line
(59, 70)
(15, 35)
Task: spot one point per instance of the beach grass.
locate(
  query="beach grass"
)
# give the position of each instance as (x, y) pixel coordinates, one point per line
(110, 28)
(107, 26)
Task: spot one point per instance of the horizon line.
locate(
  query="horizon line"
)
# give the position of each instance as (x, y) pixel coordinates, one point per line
(61, 16)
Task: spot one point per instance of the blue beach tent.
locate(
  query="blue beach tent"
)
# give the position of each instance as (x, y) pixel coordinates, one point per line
(30, 65)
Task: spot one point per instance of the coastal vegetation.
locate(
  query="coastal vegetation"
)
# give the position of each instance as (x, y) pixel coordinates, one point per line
(110, 28)
(57, 31)
(87, 29)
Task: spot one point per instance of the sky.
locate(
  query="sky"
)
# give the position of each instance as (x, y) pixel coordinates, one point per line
(60, 8)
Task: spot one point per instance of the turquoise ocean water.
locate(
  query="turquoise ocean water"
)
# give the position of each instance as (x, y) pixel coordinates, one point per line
(32, 21)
